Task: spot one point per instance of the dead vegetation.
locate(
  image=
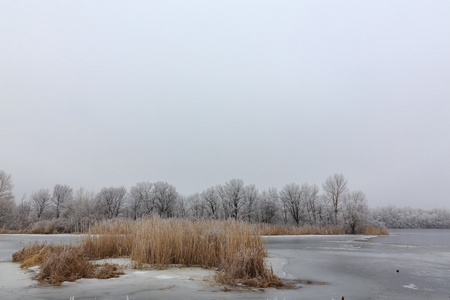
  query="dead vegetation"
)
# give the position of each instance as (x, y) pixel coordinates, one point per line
(233, 248)
(246, 267)
(59, 263)
(374, 230)
(107, 270)
(68, 264)
(277, 229)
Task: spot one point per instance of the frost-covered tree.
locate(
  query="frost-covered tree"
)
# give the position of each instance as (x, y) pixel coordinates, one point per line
(407, 217)
(355, 211)
(225, 206)
(81, 210)
(269, 206)
(192, 206)
(164, 196)
(234, 198)
(6, 186)
(291, 197)
(40, 201)
(251, 197)
(22, 215)
(310, 195)
(7, 204)
(142, 198)
(335, 187)
(61, 195)
(110, 201)
(211, 202)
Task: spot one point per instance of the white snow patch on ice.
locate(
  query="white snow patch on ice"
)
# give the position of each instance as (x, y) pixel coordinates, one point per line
(140, 272)
(164, 277)
(411, 286)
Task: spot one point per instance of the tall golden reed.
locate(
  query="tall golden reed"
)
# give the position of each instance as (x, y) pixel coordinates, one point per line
(154, 242)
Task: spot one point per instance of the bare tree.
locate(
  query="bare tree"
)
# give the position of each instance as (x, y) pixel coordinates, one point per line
(22, 214)
(80, 210)
(141, 195)
(111, 201)
(291, 197)
(183, 205)
(225, 205)
(356, 211)
(269, 206)
(311, 194)
(234, 193)
(250, 201)
(61, 194)
(335, 187)
(7, 204)
(134, 207)
(211, 201)
(192, 206)
(164, 196)
(141, 200)
(6, 187)
(40, 200)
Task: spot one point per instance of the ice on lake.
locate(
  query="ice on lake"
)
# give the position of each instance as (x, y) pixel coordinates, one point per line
(356, 267)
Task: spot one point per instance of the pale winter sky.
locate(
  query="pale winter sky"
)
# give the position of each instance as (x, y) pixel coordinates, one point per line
(108, 93)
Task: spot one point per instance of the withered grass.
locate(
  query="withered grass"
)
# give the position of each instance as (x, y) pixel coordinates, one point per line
(375, 230)
(233, 248)
(59, 263)
(277, 229)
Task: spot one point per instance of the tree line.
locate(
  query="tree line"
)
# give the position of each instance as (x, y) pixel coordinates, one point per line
(407, 217)
(69, 210)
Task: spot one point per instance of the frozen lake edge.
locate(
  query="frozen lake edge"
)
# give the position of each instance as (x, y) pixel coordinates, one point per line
(357, 267)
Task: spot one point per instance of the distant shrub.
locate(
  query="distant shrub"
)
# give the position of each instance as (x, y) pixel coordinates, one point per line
(277, 229)
(60, 225)
(374, 230)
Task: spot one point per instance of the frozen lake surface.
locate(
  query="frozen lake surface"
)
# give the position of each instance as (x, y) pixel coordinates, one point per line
(356, 267)
(366, 268)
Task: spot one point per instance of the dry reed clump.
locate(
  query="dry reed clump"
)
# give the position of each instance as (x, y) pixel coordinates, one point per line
(108, 271)
(59, 263)
(106, 240)
(69, 264)
(43, 229)
(234, 248)
(248, 267)
(27, 251)
(156, 242)
(374, 230)
(35, 254)
(276, 229)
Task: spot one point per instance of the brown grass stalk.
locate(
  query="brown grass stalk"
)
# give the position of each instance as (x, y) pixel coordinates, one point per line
(69, 264)
(234, 248)
(374, 230)
(156, 242)
(59, 263)
(277, 229)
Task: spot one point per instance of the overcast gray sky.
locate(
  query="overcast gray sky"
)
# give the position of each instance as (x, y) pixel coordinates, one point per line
(108, 93)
